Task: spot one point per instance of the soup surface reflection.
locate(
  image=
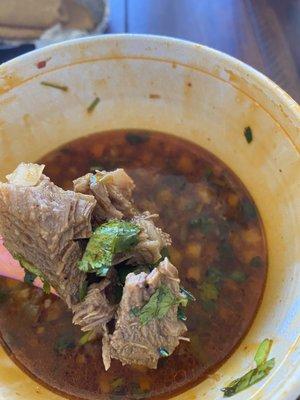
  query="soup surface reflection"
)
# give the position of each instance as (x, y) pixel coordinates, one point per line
(218, 247)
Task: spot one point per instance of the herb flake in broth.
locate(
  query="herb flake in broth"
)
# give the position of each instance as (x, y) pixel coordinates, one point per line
(263, 368)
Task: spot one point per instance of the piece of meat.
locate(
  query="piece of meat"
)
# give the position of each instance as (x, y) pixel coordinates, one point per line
(40, 222)
(95, 311)
(112, 191)
(151, 240)
(135, 343)
(44, 225)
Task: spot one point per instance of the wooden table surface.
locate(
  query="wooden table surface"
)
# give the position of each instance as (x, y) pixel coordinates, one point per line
(262, 33)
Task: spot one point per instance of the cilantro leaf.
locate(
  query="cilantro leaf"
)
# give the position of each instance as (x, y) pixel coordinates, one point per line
(117, 383)
(29, 277)
(204, 223)
(163, 352)
(248, 209)
(238, 276)
(46, 287)
(86, 338)
(256, 262)
(181, 314)
(262, 369)
(93, 105)
(64, 342)
(249, 379)
(186, 294)
(214, 275)
(27, 265)
(158, 305)
(31, 272)
(208, 291)
(109, 239)
(263, 351)
(137, 138)
(248, 134)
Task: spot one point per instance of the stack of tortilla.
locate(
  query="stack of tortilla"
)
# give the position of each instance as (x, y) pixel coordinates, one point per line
(28, 19)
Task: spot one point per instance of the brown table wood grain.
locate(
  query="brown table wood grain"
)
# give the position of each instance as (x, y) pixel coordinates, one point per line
(262, 33)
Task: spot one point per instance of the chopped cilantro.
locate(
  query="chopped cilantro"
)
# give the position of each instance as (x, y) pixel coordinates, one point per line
(208, 291)
(238, 276)
(248, 134)
(256, 262)
(204, 223)
(109, 239)
(46, 287)
(29, 277)
(163, 352)
(181, 314)
(248, 209)
(86, 338)
(135, 311)
(214, 275)
(186, 294)
(55, 86)
(158, 305)
(263, 367)
(225, 250)
(137, 138)
(64, 342)
(31, 272)
(93, 105)
(116, 383)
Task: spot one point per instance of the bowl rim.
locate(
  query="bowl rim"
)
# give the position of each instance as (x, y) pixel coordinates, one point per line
(287, 105)
(280, 93)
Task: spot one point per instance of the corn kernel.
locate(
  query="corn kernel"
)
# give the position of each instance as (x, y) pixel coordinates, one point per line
(194, 273)
(193, 250)
(185, 165)
(251, 236)
(40, 330)
(104, 384)
(175, 256)
(232, 200)
(145, 383)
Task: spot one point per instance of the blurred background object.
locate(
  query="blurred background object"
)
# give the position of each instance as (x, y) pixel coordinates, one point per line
(262, 33)
(23, 21)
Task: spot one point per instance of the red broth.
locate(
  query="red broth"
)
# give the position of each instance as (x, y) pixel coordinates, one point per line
(218, 247)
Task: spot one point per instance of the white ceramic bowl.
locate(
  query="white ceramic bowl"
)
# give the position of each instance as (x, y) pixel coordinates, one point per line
(206, 97)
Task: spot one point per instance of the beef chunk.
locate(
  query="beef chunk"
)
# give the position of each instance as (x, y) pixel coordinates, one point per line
(41, 221)
(94, 312)
(151, 240)
(43, 225)
(137, 342)
(113, 192)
